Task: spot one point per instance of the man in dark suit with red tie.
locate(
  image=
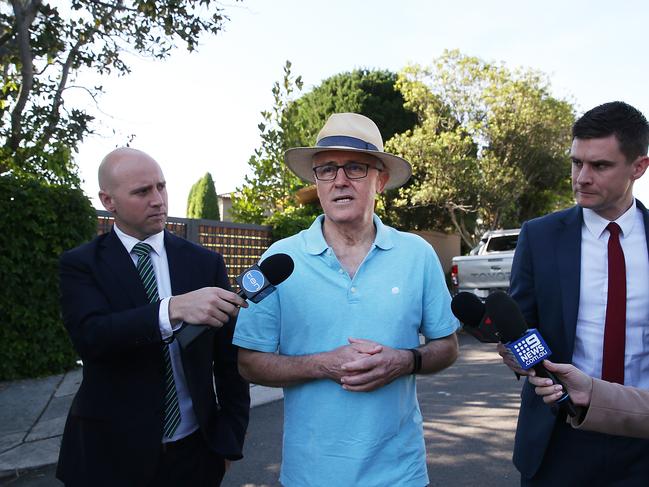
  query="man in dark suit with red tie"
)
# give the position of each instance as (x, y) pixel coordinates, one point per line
(149, 413)
(581, 276)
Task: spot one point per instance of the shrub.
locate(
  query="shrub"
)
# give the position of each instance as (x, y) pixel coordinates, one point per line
(38, 221)
(292, 220)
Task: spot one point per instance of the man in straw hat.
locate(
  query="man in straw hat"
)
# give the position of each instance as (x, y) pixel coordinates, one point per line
(341, 335)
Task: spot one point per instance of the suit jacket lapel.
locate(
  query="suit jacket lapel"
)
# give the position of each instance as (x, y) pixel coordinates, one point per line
(645, 217)
(177, 259)
(179, 254)
(116, 258)
(569, 260)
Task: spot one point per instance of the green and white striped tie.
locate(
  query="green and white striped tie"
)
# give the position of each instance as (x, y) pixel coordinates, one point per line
(171, 408)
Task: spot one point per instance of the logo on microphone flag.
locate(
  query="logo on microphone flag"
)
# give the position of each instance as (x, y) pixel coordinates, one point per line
(253, 281)
(530, 349)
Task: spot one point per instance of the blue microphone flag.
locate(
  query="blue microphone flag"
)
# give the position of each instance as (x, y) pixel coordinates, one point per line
(530, 349)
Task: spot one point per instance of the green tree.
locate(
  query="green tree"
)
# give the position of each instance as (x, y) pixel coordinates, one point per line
(271, 187)
(369, 92)
(42, 50)
(491, 146)
(268, 196)
(202, 201)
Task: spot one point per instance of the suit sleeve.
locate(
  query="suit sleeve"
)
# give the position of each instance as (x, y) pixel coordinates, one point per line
(616, 410)
(96, 330)
(522, 278)
(232, 391)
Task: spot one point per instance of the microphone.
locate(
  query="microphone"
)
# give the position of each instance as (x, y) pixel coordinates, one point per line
(527, 346)
(256, 283)
(260, 280)
(468, 308)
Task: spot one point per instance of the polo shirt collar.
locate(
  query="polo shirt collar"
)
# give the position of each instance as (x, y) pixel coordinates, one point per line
(316, 243)
(383, 239)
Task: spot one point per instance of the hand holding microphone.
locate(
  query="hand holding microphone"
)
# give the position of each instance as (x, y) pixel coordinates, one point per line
(211, 306)
(256, 283)
(527, 346)
(580, 385)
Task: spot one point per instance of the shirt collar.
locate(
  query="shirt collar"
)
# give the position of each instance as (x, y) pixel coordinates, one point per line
(383, 238)
(596, 224)
(316, 243)
(156, 241)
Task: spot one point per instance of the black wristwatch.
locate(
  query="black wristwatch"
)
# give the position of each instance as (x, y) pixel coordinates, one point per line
(416, 355)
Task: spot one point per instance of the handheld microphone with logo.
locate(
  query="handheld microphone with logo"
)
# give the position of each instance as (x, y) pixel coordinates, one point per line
(256, 283)
(527, 346)
(468, 308)
(260, 280)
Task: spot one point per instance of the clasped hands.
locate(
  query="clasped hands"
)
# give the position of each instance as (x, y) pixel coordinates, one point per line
(365, 365)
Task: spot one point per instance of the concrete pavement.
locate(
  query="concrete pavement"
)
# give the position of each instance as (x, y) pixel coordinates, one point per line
(33, 413)
(469, 411)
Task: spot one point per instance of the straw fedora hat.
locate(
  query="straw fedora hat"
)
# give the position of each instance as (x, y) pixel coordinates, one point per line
(349, 132)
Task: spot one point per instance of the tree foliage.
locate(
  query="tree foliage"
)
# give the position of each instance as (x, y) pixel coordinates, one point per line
(39, 221)
(271, 186)
(43, 49)
(203, 201)
(268, 195)
(491, 147)
(369, 92)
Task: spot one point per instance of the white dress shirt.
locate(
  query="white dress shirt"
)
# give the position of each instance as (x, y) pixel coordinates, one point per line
(589, 337)
(188, 423)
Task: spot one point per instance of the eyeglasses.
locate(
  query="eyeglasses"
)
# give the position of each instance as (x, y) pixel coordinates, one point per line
(353, 170)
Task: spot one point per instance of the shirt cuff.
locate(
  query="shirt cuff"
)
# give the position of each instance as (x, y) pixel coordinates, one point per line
(166, 328)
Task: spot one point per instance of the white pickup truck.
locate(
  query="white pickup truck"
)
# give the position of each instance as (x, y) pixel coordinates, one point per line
(488, 266)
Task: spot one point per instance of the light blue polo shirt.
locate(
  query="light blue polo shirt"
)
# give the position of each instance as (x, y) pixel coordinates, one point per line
(334, 437)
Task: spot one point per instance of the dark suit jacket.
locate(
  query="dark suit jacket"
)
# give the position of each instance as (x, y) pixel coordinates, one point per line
(113, 432)
(545, 283)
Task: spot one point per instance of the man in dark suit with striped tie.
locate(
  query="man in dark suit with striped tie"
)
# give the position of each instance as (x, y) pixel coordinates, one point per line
(148, 412)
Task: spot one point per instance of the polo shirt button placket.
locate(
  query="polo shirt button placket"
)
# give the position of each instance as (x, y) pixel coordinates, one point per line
(353, 294)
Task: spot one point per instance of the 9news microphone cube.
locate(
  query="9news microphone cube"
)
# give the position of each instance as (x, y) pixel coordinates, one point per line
(254, 285)
(530, 349)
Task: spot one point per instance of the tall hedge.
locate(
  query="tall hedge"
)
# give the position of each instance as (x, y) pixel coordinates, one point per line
(38, 222)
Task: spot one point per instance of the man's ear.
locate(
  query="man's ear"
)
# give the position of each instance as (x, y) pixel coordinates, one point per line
(640, 166)
(106, 200)
(382, 180)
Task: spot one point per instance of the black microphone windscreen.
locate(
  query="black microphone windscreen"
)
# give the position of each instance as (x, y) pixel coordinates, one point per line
(468, 308)
(277, 268)
(506, 316)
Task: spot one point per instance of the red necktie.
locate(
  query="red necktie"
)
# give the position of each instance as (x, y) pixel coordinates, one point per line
(615, 327)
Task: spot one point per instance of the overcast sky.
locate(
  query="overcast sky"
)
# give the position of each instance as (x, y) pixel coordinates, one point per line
(199, 112)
